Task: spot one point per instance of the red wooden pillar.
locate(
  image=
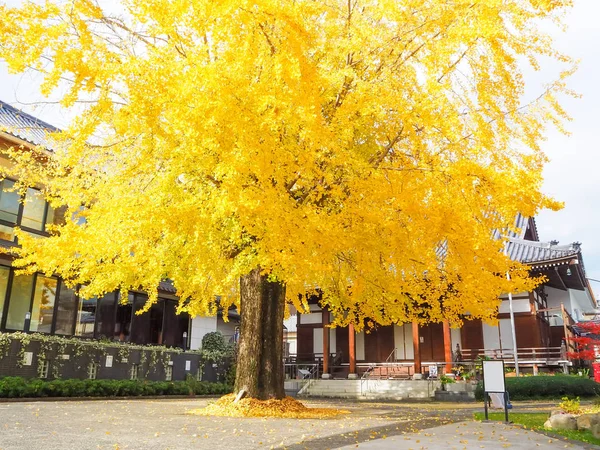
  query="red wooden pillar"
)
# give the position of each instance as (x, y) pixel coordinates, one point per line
(416, 347)
(447, 346)
(351, 351)
(325, 315)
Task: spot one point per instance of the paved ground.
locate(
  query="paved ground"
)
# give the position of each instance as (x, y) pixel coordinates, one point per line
(164, 424)
(467, 435)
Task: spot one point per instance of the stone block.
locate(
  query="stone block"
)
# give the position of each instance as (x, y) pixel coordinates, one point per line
(585, 421)
(563, 422)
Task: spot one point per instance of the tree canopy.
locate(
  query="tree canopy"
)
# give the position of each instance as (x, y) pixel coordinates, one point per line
(364, 148)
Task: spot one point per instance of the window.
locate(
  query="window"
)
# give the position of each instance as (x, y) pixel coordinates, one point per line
(123, 322)
(175, 325)
(4, 272)
(19, 302)
(9, 202)
(66, 309)
(133, 371)
(86, 318)
(42, 369)
(140, 328)
(105, 316)
(34, 210)
(92, 371)
(43, 304)
(34, 215)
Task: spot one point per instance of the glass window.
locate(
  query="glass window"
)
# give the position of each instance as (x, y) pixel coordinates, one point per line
(65, 314)
(9, 202)
(7, 233)
(105, 317)
(86, 318)
(123, 322)
(43, 304)
(33, 211)
(4, 271)
(175, 325)
(140, 329)
(19, 302)
(156, 322)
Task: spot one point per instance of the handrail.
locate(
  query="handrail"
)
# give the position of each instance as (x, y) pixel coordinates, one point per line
(390, 356)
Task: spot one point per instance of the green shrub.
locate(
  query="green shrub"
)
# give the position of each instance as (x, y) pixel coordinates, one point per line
(17, 387)
(527, 388)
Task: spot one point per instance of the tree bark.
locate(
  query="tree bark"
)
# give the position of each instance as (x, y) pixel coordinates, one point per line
(259, 369)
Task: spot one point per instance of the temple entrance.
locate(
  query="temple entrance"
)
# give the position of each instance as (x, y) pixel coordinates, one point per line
(431, 337)
(379, 344)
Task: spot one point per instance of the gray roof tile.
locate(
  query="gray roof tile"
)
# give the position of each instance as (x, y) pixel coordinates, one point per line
(24, 126)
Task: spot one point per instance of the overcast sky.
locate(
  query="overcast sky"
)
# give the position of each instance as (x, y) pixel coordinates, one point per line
(571, 175)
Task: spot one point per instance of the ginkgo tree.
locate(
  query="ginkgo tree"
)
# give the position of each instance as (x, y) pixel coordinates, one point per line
(257, 151)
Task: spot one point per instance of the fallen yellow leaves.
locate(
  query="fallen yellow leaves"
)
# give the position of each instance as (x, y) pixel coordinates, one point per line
(288, 408)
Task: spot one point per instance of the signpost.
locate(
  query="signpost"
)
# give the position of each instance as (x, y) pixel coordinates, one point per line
(494, 383)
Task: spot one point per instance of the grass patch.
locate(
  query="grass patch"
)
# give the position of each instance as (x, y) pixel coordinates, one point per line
(535, 422)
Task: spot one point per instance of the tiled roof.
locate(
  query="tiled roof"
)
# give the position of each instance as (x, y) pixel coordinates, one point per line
(532, 252)
(167, 286)
(24, 126)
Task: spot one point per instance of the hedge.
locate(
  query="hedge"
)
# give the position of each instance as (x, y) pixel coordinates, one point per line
(17, 387)
(540, 387)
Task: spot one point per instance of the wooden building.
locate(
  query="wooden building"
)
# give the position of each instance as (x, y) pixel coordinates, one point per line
(542, 321)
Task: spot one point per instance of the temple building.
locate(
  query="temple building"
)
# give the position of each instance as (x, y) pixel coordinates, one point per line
(543, 320)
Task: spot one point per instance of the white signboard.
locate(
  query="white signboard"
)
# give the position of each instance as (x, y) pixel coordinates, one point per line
(109, 361)
(188, 365)
(27, 358)
(493, 376)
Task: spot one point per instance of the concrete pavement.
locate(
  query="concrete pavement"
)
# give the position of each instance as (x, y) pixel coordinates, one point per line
(468, 435)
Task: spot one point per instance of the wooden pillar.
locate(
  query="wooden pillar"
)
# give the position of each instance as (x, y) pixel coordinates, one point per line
(351, 351)
(325, 315)
(447, 346)
(416, 347)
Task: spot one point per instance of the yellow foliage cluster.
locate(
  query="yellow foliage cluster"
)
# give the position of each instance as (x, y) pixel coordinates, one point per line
(337, 145)
(288, 408)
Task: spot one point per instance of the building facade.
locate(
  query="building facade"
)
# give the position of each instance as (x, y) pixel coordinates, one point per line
(543, 323)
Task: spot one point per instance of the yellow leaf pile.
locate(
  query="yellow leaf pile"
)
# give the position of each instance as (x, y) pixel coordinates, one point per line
(288, 408)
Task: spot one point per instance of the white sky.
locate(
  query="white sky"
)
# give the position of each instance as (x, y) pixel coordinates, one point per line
(571, 175)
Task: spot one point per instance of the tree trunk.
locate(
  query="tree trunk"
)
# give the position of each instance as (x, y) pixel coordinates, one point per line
(260, 354)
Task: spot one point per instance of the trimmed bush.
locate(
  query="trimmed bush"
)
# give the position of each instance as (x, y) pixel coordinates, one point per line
(17, 387)
(540, 387)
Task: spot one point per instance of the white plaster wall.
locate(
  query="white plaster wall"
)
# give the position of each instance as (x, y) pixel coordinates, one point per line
(399, 341)
(581, 301)
(291, 322)
(555, 298)
(200, 327)
(491, 339)
(318, 340)
(332, 342)
(455, 338)
(410, 351)
(519, 305)
(506, 334)
(359, 341)
(312, 318)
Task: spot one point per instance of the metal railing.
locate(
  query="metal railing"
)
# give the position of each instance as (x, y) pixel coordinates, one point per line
(301, 371)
